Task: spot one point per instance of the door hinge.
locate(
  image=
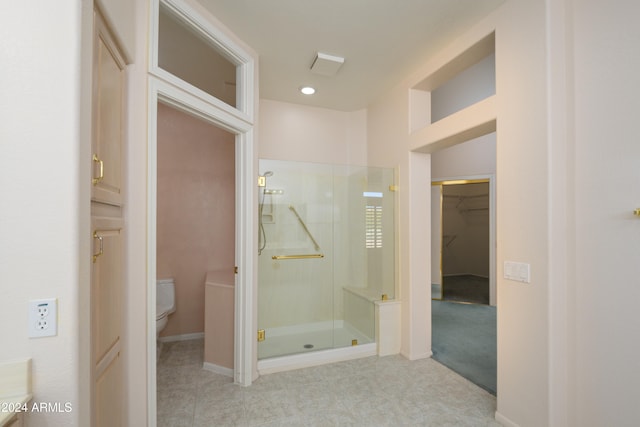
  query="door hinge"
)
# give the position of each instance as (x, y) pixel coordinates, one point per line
(261, 335)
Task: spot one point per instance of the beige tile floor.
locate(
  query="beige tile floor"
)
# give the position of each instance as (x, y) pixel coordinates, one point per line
(388, 391)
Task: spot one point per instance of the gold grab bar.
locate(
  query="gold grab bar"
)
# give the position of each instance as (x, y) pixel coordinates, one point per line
(315, 244)
(301, 256)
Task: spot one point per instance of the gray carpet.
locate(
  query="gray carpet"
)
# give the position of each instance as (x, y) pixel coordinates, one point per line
(464, 340)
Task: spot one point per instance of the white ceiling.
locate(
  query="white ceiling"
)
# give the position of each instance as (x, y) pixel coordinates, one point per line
(382, 41)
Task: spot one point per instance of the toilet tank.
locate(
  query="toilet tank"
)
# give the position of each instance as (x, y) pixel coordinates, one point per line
(166, 295)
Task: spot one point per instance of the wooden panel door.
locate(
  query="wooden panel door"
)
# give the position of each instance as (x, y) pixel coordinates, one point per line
(107, 284)
(106, 325)
(108, 116)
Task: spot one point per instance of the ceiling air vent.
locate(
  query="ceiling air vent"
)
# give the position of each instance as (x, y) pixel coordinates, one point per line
(326, 65)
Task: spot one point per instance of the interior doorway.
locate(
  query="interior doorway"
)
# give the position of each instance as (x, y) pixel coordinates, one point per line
(240, 249)
(463, 325)
(463, 278)
(195, 251)
(461, 218)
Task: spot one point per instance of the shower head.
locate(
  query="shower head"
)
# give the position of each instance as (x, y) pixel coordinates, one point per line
(267, 174)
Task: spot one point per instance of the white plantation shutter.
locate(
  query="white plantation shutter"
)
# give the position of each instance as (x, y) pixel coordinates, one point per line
(373, 227)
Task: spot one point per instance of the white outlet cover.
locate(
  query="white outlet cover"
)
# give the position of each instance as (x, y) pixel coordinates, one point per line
(43, 318)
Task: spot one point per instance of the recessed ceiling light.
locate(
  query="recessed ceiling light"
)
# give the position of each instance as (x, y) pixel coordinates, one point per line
(307, 90)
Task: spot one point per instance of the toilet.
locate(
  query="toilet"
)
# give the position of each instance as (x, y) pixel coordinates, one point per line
(165, 303)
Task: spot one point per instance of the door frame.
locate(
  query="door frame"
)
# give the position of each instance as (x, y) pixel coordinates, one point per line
(491, 179)
(170, 90)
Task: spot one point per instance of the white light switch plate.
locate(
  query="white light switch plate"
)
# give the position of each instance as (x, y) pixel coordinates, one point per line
(43, 318)
(518, 271)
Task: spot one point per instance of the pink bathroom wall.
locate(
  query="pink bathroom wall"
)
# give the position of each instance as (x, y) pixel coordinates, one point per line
(195, 211)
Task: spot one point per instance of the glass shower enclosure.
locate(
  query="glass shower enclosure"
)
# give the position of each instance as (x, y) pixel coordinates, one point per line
(326, 254)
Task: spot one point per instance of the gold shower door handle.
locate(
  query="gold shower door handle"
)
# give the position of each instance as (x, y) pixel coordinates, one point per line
(101, 250)
(100, 177)
(302, 256)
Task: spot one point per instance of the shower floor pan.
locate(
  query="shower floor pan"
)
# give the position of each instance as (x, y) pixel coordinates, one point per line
(284, 352)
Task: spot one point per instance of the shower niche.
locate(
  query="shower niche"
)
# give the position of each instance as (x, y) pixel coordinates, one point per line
(326, 255)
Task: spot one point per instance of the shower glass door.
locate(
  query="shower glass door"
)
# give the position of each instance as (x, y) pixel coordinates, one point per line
(296, 295)
(326, 254)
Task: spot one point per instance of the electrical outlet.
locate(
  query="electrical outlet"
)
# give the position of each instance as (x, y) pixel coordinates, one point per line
(42, 324)
(43, 318)
(43, 310)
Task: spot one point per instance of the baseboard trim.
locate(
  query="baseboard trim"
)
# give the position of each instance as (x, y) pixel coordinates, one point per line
(227, 372)
(183, 337)
(408, 356)
(504, 420)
